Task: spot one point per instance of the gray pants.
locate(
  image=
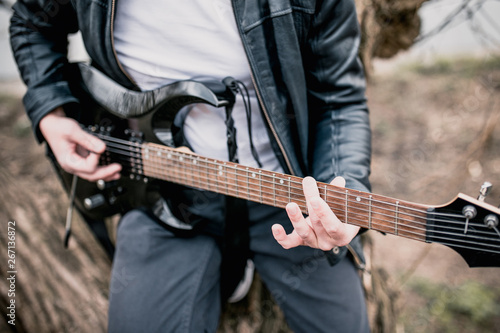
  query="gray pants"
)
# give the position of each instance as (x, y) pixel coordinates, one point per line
(162, 283)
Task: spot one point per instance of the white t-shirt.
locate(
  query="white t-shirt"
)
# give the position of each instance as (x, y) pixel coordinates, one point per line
(162, 41)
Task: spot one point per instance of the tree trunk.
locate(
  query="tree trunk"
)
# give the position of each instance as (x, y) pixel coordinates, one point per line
(388, 27)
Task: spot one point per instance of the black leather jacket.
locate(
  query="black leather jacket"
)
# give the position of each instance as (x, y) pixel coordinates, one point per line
(303, 56)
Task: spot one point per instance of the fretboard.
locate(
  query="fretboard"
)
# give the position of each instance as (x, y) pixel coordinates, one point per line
(354, 207)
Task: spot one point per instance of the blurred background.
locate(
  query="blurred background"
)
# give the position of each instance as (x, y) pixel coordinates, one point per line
(434, 95)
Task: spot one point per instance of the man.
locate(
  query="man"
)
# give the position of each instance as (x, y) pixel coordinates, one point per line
(306, 115)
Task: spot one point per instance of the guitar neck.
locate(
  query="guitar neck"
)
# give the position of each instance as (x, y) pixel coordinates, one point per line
(354, 207)
(470, 227)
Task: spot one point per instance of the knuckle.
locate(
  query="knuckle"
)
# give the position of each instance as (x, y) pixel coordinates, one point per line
(331, 228)
(304, 234)
(325, 246)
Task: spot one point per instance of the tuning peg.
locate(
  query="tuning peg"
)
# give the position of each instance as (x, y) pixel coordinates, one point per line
(483, 192)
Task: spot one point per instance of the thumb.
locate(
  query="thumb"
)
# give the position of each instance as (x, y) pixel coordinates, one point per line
(338, 181)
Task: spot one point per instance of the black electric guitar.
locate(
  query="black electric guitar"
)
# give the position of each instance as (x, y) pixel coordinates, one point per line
(469, 226)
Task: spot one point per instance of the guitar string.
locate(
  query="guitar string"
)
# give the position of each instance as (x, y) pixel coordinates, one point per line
(402, 207)
(457, 242)
(437, 237)
(187, 155)
(343, 194)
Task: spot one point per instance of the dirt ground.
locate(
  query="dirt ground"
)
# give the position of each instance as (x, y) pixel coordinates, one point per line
(436, 132)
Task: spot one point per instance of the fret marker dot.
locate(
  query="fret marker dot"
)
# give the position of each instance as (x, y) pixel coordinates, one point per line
(221, 173)
(181, 158)
(158, 153)
(281, 181)
(358, 199)
(169, 155)
(253, 174)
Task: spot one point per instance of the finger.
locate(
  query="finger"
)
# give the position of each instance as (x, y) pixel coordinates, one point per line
(325, 223)
(84, 156)
(338, 181)
(328, 229)
(313, 201)
(81, 163)
(88, 141)
(286, 241)
(300, 225)
(106, 173)
(348, 231)
(310, 188)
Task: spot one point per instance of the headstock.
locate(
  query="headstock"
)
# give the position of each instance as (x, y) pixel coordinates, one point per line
(469, 226)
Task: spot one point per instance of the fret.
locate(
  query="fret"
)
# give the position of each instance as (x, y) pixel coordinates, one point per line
(157, 157)
(289, 189)
(346, 204)
(207, 175)
(132, 163)
(184, 170)
(225, 173)
(396, 219)
(194, 171)
(219, 173)
(370, 213)
(253, 185)
(274, 189)
(260, 185)
(248, 184)
(326, 193)
(170, 166)
(281, 192)
(236, 180)
(195, 163)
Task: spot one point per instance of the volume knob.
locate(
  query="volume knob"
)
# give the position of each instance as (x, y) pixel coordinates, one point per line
(94, 201)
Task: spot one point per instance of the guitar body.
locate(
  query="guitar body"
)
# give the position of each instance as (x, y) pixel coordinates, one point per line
(105, 108)
(96, 200)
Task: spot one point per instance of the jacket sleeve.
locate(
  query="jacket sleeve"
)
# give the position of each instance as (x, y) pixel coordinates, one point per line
(39, 39)
(339, 119)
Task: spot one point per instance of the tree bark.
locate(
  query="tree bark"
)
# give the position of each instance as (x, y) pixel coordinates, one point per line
(388, 27)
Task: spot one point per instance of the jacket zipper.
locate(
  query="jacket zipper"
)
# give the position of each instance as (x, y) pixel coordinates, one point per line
(268, 119)
(259, 97)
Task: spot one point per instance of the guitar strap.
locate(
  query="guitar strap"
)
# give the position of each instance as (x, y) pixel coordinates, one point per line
(235, 244)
